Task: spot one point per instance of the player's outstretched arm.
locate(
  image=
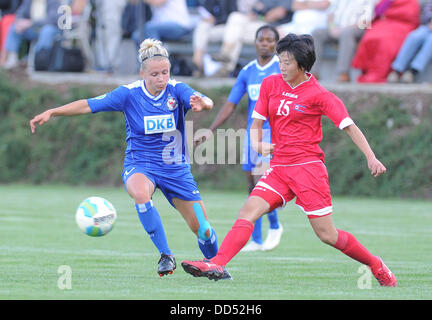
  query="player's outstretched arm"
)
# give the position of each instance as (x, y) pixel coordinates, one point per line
(374, 165)
(70, 109)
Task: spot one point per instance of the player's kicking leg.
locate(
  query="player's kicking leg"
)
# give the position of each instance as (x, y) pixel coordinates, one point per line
(194, 214)
(237, 237)
(350, 246)
(141, 188)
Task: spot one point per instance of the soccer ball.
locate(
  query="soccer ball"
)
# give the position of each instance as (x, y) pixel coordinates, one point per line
(95, 216)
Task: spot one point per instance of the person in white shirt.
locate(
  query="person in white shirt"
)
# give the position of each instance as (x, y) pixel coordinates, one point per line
(170, 21)
(347, 23)
(308, 16)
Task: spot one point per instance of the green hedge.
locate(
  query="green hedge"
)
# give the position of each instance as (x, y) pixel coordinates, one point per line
(75, 150)
(401, 144)
(89, 149)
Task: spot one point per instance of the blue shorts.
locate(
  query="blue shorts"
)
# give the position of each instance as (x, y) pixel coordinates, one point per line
(173, 184)
(251, 158)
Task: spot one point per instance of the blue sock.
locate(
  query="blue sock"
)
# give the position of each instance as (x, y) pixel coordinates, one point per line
(209, 247)
(257, 231)
(152, 224)
(273, 219)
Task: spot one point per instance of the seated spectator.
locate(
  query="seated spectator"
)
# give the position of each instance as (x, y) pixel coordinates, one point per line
(308, 15)
(393, 21)
(7, 17)
(170, 21)
(35, 20)
(416, 51)
(214, 14)
(241, 28)
(347, 21)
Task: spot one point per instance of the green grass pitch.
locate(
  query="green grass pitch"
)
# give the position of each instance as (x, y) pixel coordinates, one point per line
(39, 235)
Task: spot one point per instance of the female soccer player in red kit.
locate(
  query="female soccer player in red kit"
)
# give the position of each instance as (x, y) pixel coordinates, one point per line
(294, 103)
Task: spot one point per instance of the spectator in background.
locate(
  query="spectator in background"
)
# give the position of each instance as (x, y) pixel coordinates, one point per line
(416, 51)
(214, 14)
(7, 17)
(393, 21)
(109, 33)
(170, 21)
(35, 20)
(347, 21)
(308, 15)
(241, 28)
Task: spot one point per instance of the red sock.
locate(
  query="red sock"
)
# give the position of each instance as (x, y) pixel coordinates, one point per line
(235, 239)
(349, 245)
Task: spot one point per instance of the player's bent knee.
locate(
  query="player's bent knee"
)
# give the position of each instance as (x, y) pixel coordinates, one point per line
(139, 188)
(140, 196)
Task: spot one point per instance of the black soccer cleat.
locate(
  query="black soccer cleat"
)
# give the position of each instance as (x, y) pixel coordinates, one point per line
(167, 264)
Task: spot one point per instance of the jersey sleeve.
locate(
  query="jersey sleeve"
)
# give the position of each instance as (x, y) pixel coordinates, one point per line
(111, 101)
(261, 107)
(335, 109)
(239, 89)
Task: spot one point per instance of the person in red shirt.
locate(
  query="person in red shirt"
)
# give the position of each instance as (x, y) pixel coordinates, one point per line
(294, 102)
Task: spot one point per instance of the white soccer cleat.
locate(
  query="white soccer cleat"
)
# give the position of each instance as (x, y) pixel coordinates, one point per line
(252, 246)
(273, 238)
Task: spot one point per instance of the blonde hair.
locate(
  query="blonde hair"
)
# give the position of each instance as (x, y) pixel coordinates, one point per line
(150, 48)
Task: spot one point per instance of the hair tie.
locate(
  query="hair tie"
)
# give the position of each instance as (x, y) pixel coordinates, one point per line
(155, 55)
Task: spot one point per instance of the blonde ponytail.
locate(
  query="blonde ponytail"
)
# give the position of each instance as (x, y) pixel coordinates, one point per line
(150, 48)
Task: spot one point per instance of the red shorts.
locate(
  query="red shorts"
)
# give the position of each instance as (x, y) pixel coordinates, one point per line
(308, 182)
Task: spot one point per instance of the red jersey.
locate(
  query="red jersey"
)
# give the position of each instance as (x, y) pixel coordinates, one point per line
(295, 115)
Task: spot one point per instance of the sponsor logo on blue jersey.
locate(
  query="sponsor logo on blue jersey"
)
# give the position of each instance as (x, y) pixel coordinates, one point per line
(253, 91)
(159, 124)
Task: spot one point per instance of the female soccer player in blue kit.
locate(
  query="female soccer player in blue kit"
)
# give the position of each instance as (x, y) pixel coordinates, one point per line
(156, 155)
(249, 81)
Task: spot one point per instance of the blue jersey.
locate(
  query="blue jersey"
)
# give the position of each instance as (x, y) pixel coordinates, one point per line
(249, 81)
(155, 125)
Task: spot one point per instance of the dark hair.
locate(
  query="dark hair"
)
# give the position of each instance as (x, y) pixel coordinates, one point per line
(301, 47)
(270, 27)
